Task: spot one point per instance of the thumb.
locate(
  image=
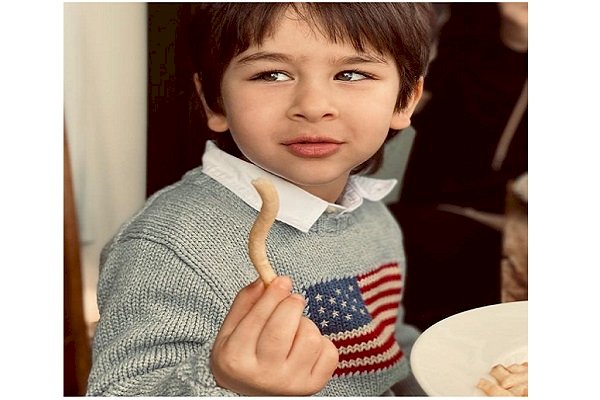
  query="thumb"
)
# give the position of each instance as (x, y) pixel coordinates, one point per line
(242, 304)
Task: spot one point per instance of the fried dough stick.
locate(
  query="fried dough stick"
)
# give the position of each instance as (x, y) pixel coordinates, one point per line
(492, 389)
(512, 376)
(257, 246)
(511, 381)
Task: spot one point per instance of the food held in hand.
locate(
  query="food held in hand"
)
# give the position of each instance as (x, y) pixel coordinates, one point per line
(257, 241)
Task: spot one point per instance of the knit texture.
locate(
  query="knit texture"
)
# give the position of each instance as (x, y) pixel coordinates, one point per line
(169, 276)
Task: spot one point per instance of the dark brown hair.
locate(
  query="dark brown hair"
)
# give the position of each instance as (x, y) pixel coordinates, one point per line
(220, 31)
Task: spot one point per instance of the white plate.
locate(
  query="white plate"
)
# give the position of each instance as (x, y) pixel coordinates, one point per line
(450, 357)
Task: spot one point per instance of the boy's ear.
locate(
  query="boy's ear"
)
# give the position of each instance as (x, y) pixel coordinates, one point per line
(401, 119)
(215, 121)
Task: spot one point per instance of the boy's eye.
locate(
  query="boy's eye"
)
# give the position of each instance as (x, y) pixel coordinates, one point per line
(271, 76)
(351, 76)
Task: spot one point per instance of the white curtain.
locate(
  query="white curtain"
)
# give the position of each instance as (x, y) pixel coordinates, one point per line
(105, 97)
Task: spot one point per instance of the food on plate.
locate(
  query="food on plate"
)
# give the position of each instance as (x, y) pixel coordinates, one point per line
(257, 246)
(509, 381)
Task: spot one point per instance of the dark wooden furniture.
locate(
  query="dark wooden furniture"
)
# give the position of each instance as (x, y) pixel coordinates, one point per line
(77, 355)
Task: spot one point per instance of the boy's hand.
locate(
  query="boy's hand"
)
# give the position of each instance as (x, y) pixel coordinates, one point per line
(267, 347)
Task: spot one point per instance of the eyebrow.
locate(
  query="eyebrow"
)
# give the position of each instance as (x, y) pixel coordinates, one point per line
(264, 56)
(362, 59)
(284, 58)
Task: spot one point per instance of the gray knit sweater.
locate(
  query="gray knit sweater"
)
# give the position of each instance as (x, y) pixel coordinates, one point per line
(169, 276)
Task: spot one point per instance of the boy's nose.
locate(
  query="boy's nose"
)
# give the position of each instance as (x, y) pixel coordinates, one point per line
(313, 102)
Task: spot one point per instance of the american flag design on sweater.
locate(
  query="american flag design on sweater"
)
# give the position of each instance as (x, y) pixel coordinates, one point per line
(359, 315)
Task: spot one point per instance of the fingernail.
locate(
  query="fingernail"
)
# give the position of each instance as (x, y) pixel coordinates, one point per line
(257, 282)
(283, 282)
(299, 296)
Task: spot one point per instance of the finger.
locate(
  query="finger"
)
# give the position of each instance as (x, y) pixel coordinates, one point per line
(242, 304)
(307, 344)
(277, 337)
(327, 362)
(315, 354)
(251, 325)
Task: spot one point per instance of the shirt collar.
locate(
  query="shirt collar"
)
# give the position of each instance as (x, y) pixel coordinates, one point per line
(297, 207)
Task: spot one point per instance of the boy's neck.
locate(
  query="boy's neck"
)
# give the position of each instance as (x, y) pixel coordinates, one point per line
(331, 192)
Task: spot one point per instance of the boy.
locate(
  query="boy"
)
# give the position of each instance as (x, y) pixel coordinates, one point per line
(304, 94)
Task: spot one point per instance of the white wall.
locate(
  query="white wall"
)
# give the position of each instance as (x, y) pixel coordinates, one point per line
(105, 94)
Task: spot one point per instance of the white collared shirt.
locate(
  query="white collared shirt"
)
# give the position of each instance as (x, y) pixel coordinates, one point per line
(297, 207)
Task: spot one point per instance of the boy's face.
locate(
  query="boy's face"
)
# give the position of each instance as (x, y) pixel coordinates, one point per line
(309, 110)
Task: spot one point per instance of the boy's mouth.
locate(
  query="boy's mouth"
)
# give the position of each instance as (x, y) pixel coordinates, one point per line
(313, 146)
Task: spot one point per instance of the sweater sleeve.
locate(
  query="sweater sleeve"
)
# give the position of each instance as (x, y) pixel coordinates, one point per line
(158, 321)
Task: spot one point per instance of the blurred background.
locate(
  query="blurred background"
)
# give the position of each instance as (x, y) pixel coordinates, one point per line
(105, 100)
